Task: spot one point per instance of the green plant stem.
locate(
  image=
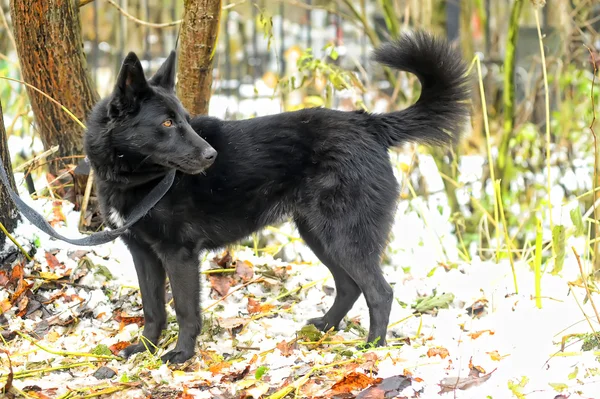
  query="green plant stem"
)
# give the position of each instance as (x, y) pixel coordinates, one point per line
(538, 264)
(547, 110)
(505, 161)
(10, 237)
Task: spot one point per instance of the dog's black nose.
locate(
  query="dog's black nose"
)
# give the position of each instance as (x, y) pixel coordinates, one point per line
(209, 154)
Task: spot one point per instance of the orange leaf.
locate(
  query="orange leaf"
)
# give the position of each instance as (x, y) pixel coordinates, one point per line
(125, 320)
(477, 334)
(118, 347)
(59, 216)
(255, 306)
(440, 351)
(216, 369)
(53, 263)
(353, 381)
(17, 272)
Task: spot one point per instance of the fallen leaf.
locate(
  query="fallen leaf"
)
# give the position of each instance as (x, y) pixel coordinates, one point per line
(49, 276)
(353, 381)
(5, 305)
(244, 270)
(220, 283)
(286, 348)
(3, 278)
(224, 260)
(259, 389)
(53, 336)
(255, 306)
(477, 309)
(17, 273)
(10, 375)
(477, 334)
(118, 347)
(53, 263)
(126, 320)
(390, 387)
(57, 213)
(439, 351)
(452, 383)
(231, 323)
(495, 356)
(216, 369)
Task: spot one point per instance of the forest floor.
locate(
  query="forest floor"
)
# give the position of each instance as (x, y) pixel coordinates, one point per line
(457, 330)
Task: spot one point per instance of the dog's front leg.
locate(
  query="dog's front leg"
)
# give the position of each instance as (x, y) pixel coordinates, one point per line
(151, 278)
(183, 270)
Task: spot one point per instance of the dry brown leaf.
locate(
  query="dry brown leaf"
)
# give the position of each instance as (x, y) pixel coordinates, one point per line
(244, 270)
(224, 260)
(220, 283)
(387, 388)
(3, 278)
(439, 351)
(475, 378)
(286, 348)
(353, 381)
(52, 261)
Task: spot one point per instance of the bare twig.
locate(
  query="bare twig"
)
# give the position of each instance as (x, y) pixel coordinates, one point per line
(153, 24)
(584, 280)
(86, 199)
(84, 2)
(25, 165)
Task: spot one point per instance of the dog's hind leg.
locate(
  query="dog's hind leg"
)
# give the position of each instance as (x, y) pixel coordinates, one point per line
(183, 269)
(347, 291)
(151, 278)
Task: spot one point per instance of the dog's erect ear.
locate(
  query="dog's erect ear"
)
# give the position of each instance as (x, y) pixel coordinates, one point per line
(165, 76)
(131, 85)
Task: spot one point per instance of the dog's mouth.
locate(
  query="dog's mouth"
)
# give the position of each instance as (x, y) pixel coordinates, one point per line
(188, 169)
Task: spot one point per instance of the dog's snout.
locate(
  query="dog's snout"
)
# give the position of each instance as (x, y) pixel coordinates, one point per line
(209, 154)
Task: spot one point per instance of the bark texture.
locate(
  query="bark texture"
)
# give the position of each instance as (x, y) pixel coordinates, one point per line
(197, 42)
(50, 48)
(8, 212)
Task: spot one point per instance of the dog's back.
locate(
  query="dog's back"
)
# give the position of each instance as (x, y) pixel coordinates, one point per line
(327, 170)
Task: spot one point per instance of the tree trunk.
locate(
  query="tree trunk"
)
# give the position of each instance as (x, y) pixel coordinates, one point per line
(50, 49)
(197, 47)
(8, 212)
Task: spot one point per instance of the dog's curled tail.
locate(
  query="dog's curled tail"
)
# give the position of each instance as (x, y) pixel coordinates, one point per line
(438, 117)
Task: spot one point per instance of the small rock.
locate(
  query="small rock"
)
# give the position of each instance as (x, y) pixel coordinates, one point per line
(104, 373)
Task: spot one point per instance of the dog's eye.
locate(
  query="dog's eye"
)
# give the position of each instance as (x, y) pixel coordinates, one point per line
(168, 123)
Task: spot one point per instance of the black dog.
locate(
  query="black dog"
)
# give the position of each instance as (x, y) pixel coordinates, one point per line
(328, 170)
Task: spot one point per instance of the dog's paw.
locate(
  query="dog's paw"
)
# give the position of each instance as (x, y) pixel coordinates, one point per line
(132, 349)
(321, 324)
(176, 356)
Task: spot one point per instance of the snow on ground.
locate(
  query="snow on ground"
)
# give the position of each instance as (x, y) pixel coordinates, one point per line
(497, 343)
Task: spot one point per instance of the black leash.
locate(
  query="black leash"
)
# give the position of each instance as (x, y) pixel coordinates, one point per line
(97, 238)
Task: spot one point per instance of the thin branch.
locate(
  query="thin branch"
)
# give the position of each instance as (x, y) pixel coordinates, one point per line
(153, 24)
(84, 2)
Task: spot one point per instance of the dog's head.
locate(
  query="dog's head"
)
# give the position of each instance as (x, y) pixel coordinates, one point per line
(149, 121)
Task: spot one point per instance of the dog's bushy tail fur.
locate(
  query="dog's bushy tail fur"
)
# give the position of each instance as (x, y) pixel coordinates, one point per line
(442, 109)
